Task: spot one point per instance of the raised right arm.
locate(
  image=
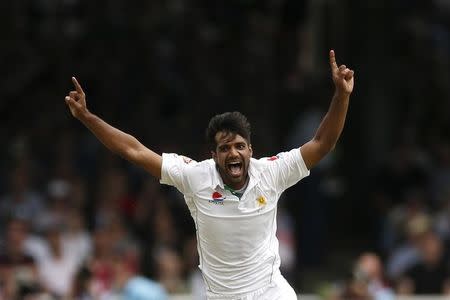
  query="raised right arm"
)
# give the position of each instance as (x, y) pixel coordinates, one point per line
(114, 139)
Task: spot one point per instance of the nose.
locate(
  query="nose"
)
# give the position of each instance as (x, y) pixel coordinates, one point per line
(233, 152)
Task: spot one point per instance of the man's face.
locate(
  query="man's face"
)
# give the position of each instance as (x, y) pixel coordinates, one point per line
(232, 157)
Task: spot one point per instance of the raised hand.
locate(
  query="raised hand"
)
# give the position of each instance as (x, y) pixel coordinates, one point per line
(76, 100)
(342, 76)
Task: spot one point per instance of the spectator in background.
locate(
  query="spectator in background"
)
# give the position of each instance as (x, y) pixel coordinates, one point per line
(77, 241)
(442, 218)
(100, 264)
(127, 280)
(147, 204)
(170, 270)
(22, 201)
(287, 242)
(194, 275)
(431, 275)
(369, 279)
(58, 200)
(18, 271)
(58, 268)
(164, 229)
(82, 286)
(113, 197)
(366, 283)
(412, 224)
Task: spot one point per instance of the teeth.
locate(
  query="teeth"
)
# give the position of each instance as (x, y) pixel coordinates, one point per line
(235, 167)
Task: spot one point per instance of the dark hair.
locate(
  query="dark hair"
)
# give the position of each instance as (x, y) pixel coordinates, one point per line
(229, 122)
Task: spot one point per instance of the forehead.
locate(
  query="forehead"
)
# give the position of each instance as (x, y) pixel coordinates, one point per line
(223, 137)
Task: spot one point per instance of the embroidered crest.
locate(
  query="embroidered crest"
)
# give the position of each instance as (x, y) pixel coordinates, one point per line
(261, 201)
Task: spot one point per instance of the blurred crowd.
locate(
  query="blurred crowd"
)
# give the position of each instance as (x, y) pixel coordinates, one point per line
(77, 222)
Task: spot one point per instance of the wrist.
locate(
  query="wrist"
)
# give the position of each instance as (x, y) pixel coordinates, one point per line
(84, 115)
(342, 95)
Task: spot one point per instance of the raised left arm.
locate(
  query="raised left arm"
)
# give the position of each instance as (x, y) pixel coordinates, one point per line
(332, 124)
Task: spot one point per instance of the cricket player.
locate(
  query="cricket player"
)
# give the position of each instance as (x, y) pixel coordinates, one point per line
(232, 197)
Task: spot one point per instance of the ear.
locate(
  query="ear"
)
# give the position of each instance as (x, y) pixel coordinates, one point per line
(250, 149)
(214, 155)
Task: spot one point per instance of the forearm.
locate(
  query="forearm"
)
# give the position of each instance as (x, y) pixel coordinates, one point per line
(114, 139)
(332, 124)
(330, 128)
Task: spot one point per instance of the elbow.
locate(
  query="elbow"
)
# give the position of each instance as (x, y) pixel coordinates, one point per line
(331, 147)
(129, 150)
(128, 154)
(325, 147)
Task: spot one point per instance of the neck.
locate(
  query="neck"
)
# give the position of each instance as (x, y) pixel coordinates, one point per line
(238, 185)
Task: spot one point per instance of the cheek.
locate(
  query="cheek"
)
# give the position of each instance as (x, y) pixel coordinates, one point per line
(221, 159)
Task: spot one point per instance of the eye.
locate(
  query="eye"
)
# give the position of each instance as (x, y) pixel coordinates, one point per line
(240, 146)
(224, 148)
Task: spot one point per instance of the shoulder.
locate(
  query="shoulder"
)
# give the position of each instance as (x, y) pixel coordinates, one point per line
(267, 161)
(196, 173)
(288, 164)
(201, 173)
(199, 167)
(186, 161)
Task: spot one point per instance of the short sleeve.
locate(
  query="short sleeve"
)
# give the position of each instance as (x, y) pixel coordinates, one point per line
(173, 171)
(287, 168)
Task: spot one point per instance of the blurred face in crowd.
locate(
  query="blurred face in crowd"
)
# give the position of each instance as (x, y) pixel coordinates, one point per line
(369, 267)
(232, 157)
(16, 234)
(431, 249)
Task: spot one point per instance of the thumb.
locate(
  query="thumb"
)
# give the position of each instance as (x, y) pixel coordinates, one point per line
(70, 102)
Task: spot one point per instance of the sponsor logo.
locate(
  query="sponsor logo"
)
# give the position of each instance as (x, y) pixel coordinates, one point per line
(217, 198)
(272, 158)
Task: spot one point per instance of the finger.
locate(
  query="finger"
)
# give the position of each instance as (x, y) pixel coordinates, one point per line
(69, 101)
(349, 74)
(333, 64)
(77, 85)
(73, 94)
(344, 72)
(342, 68)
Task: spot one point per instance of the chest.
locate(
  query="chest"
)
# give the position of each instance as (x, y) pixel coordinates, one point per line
(221, 202)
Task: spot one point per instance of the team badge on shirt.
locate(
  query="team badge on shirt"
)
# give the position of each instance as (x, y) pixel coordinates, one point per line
(261, 201)
(217, 198)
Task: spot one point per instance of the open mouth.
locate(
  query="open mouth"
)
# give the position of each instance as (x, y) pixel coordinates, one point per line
(235, 168)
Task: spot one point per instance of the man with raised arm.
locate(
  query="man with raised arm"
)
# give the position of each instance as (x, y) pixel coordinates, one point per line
(232, 197)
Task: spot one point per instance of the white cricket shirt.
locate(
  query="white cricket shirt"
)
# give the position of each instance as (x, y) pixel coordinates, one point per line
(236, 239)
